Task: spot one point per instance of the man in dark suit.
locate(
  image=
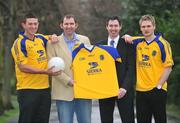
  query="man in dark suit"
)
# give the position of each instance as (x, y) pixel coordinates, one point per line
(125, 74)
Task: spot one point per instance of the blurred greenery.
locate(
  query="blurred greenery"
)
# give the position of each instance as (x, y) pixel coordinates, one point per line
(10, 113)
(173, 111)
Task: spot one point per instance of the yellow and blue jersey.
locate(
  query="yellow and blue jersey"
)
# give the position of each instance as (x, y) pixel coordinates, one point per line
(95, 72)
(32, 53)
(151, 60)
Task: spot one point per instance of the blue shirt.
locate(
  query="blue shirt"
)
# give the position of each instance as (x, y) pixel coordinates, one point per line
(72, 42)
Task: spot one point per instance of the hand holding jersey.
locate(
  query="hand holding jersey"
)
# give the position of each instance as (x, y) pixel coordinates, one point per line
(121, 93)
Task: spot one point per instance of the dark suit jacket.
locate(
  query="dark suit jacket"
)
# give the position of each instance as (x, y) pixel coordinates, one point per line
(126, 69)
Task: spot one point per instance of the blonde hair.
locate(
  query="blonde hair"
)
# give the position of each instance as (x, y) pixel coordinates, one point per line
(147, 18)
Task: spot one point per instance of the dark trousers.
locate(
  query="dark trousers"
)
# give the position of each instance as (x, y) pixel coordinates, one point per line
(34, 105)
(151, 103)
(125, 107)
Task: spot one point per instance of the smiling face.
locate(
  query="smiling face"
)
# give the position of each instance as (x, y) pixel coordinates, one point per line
(30, 26)
(113, 27)
(69, 26)
(147, 28)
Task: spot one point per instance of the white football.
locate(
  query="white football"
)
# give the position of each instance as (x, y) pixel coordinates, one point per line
(57, 62)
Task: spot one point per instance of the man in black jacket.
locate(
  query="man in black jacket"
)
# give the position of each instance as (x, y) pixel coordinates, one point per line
(125, 74)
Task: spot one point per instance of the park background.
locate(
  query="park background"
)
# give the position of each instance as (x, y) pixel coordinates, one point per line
(91, 15)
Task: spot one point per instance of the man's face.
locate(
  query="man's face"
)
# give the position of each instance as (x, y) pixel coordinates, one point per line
(30, 26)
(69, 26)
(113, 28)
(147, 28)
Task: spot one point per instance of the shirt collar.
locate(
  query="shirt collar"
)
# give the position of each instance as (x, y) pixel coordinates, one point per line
(21, 35)
(75, 38)
(115, 40)
(157, 36)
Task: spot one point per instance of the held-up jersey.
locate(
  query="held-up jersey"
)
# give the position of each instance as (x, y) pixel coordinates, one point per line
(95, 72)
(151, 60)
(32, 53)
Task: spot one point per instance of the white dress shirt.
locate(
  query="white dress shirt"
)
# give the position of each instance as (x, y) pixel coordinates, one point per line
(115, 41)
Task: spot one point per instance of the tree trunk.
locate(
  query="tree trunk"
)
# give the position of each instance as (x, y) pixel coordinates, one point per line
(6, 87)
(7, 31)
(1, 103)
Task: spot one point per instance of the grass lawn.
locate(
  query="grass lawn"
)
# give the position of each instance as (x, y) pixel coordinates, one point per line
(11, 113)
(174, 111)
(8, 114)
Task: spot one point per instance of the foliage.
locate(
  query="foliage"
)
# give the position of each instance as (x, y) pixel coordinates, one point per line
(173, 111)
(170, 29)
(174, 85)
(8, 114)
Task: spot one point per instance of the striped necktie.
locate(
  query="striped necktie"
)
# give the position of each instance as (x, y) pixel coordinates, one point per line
(112, 43)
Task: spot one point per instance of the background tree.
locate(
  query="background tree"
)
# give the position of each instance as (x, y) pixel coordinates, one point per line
(7, 36)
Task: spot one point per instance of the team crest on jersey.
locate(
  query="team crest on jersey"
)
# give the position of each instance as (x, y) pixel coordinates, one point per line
(139, 48)
(101, 57)
(40, 52)
(42, 57)
(154, 53)
(93, 64)
(146, 48)
(35, 44)
(81, 58)
(30, 47)
(145, 57)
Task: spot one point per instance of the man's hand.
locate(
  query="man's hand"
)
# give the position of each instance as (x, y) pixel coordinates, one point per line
(71, 83)
(121, 93)
(53, 73)
(53, 38)
(128, 39)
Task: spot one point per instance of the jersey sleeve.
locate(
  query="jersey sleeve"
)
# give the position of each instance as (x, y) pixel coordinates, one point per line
(116, 55)
(166, 53)
(137, 39)
(77, 47)
(19, 52)
(44, 38)
(112, 51)
(168, 60)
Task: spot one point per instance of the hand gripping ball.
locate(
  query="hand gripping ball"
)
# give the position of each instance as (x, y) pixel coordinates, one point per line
(57, 62)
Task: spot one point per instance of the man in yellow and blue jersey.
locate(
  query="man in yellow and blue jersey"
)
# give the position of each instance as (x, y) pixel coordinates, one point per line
(153, 64)
(32, 85)
(95, 78)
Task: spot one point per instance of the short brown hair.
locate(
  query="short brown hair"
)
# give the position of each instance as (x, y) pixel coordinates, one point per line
(113, 18)
(68, 16)
(28, 15)
(147, 18)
